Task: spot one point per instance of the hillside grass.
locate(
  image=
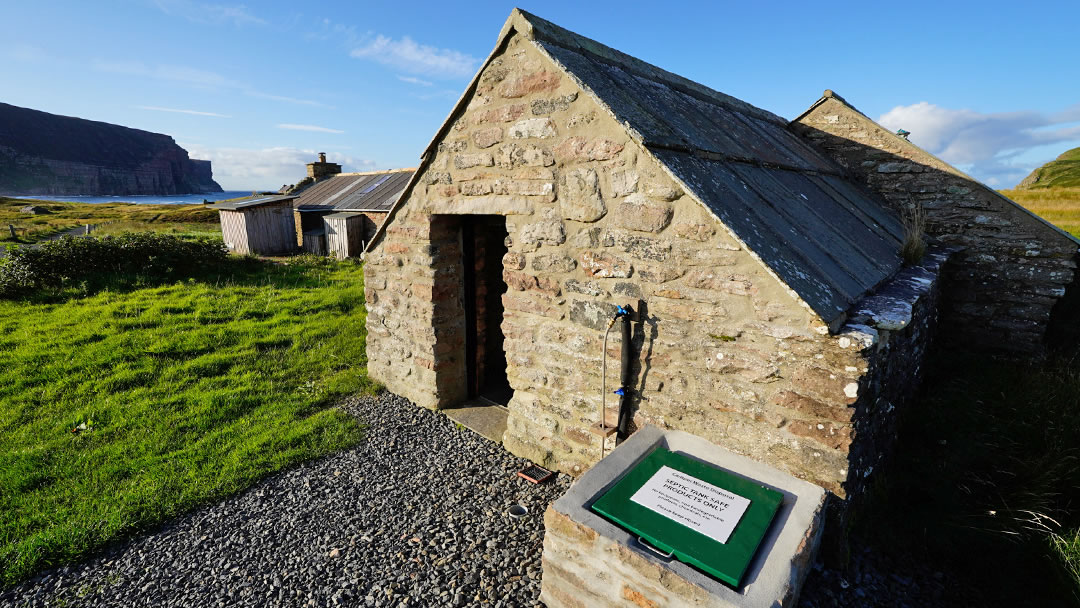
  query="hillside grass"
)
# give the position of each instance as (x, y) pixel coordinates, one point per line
(1059, 206)
(985, 484)
(111, 218)
(1062, 172)
(136, 402)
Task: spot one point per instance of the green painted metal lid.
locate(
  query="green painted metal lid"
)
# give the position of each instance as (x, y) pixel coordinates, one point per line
(704, 516)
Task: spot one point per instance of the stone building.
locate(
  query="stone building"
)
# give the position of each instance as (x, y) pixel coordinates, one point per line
(1013, 267)
(775, 315)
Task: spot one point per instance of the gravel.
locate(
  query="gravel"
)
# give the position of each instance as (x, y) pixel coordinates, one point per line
(415, 515)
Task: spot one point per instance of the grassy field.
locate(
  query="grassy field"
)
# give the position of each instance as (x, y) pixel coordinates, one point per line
(129, 405)
(986, 482)
(111, 218)
(1060, 206)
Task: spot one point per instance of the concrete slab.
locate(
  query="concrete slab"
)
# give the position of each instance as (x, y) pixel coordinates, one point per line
(480, 417)
(773, 578)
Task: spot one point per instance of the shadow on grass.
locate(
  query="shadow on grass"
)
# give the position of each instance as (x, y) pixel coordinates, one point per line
(987, 471)
(302, 271)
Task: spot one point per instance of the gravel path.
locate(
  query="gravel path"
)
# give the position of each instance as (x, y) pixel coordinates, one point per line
(412, 516)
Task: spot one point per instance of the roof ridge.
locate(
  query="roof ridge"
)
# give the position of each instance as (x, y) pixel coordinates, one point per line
(379, 172)
(546, 31)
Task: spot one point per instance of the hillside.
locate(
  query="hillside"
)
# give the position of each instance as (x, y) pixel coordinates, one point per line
(42, 154)
(1064, 172)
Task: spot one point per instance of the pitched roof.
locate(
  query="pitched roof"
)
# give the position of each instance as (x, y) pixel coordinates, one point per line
(827, 239)
(824, 237)
(916, 152)
(375, 191)
(250, 201)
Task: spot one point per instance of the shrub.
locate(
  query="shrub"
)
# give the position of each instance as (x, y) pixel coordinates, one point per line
(66, 260)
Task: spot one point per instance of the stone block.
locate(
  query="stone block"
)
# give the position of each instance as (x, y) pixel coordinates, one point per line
(637, 212)
(485, 138)
(553, 262)
(583, 149)
(545, 233)
(608, 562)
(464, 161)
(507, 113)
(603, 265)
(536, 82)
(516, 155)
(580, 197)
(539, 128)
(541, 107)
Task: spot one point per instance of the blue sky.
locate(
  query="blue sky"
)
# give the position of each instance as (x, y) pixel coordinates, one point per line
(258, 88)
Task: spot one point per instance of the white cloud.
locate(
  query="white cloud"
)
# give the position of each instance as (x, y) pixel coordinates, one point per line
(294, 127)
(414, 80)
(991, 147)
(179, 111)
(283, 98)
(172, 73)
(193, 77)
(213, 14)
(408, 55)
(265, 168)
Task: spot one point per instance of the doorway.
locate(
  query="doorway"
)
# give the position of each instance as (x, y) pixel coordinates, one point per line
(483, 245)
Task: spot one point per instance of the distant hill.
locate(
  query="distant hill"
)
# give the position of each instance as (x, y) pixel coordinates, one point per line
(42, 154)
(1061, 173)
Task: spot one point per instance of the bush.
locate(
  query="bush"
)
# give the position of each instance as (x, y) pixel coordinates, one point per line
(66, 260)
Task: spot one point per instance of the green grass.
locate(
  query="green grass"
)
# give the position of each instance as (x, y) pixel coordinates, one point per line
(188, 392)
(1063, 172)
(126, 217)
(986, 480)
(1059, 206)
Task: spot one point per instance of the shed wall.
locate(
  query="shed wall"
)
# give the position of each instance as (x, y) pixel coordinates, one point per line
(344, 235)
(726, 352)
(270, 228)
(234, 231)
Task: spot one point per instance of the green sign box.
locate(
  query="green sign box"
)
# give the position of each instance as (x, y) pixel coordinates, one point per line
(702, 515)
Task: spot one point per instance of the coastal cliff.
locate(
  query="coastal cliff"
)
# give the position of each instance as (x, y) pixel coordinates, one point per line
(42, 154)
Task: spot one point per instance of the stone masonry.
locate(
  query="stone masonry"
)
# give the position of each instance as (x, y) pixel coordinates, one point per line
(727, 351)
(1013, 268)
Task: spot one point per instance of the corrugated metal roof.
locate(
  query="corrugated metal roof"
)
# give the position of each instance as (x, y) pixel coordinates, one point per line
(827, 239)
(357, 191)
(251, 201)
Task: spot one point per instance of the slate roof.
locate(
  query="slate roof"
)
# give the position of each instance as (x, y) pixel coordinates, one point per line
(251, 201)
(826, 238)
(377, 191)
(823, 236)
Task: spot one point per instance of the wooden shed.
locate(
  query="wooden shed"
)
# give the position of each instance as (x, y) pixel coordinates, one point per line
(357, 201)
(261, 225)
(345, 234)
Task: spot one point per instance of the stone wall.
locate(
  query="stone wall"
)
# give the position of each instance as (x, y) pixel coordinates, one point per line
(1013, 268)
(726, 351)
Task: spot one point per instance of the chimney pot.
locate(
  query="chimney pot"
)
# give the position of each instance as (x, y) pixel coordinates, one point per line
(322, 157)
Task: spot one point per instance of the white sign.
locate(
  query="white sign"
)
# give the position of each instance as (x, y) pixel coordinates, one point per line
(696, 504)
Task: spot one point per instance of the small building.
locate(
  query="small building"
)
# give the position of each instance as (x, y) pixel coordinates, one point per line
(775, 314)
(261, 225)
(339, 213)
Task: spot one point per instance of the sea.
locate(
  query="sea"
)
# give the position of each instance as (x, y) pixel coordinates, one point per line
(144, 199)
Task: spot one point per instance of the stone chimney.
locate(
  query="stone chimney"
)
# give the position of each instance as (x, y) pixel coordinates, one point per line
(320, 168)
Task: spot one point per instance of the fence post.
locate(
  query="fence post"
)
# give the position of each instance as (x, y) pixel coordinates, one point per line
(14, 235)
